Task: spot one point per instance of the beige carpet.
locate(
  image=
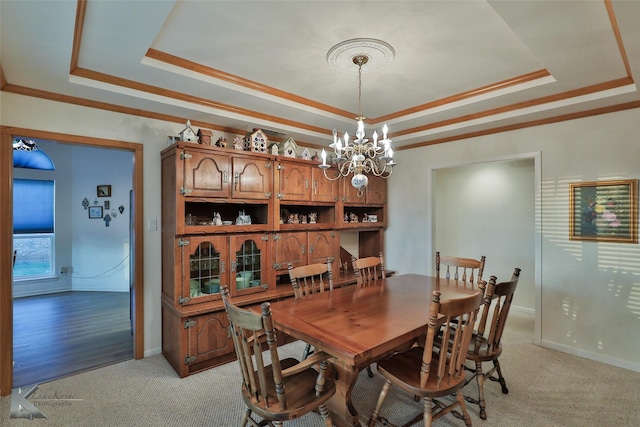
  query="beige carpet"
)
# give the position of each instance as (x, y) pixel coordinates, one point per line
(547, 388)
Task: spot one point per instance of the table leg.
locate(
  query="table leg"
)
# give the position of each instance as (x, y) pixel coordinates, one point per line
(343, 413)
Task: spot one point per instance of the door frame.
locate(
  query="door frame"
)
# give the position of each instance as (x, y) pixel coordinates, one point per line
(6, 239)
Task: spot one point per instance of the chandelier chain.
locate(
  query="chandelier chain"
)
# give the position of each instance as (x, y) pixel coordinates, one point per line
(360, 87)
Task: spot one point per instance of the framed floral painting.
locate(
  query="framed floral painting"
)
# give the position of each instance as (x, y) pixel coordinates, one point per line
(604, 211)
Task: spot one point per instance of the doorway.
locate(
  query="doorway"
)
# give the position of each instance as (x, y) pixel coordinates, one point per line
(490, 209)
(82, 309)
(133, 248)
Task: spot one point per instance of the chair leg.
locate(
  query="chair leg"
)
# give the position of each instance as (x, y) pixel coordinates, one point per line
(381, 398)
(428, 412)
(324, 413)
(320, 381)
(245, 417)
(480, 382)
(463, 408)
(369, 371)
(306, 352)
(503, 383)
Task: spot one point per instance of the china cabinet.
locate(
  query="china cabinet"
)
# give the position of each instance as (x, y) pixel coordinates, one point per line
(237, 218)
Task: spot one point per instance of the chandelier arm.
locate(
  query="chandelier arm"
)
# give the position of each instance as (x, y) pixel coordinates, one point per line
(338, 176)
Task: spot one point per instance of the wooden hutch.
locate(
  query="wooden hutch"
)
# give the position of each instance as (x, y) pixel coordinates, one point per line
(225, 221)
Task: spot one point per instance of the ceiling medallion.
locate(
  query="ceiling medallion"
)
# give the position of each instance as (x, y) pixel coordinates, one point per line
(379, 53)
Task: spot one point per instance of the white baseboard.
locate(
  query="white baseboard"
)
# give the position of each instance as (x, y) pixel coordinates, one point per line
(592, 356)
(526, 310)
(152, 351)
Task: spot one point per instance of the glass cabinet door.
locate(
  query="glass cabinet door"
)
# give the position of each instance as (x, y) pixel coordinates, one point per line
(249, 253)
(207, 268)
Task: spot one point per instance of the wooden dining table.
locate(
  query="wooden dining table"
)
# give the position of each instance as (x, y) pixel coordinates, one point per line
(361, 325)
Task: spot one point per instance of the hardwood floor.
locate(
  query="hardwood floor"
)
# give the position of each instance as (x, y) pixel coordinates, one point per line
(62, 334)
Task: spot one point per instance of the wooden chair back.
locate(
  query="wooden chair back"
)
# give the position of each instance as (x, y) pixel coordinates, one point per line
(496, 306)
(459, 317)
(283, 389)
(467, 270)
(368, 269)
(309, 279)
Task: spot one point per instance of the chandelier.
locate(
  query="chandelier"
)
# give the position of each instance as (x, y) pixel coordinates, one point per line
(360, 157)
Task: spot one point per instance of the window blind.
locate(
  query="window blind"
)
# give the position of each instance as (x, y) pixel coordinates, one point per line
(33, 206)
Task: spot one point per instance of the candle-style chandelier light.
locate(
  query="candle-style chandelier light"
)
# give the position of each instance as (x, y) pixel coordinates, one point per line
(360, 157)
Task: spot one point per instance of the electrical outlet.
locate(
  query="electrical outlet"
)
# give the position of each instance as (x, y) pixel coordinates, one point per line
(63, 270)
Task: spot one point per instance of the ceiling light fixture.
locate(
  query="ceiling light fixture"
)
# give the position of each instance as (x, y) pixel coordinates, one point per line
(359, 156)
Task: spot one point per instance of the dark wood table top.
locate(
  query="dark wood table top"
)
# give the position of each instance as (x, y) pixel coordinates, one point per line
(359, 325)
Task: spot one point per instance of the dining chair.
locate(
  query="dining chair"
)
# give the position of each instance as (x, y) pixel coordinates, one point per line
(368, 269)
(284, 389)
(433, 371)
(309, 279)
(486, 344)
(463, 269)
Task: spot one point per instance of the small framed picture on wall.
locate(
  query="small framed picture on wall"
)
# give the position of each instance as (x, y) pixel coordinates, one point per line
(95, 212)
(104, 191)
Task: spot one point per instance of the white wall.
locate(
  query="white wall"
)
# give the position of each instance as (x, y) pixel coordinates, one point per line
(583, 287)
(100, 254)
(488, 209)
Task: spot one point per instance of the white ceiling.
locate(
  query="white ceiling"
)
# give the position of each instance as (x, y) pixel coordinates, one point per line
(238, 65)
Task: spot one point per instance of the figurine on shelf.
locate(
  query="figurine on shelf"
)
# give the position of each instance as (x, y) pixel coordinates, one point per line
(221, 142)
(303, 219)
(238, 144)
(313, 217)
(365, 217)
(346, 217)
(243, 219)
(354, 217)
(217, 220)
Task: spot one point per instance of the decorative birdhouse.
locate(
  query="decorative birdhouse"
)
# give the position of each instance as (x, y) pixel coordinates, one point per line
(237, 143)
(256, 141)
(274, 149)
(204, 136)
(221, 142)
(290, 148)
(187, 134)
(306, 154)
